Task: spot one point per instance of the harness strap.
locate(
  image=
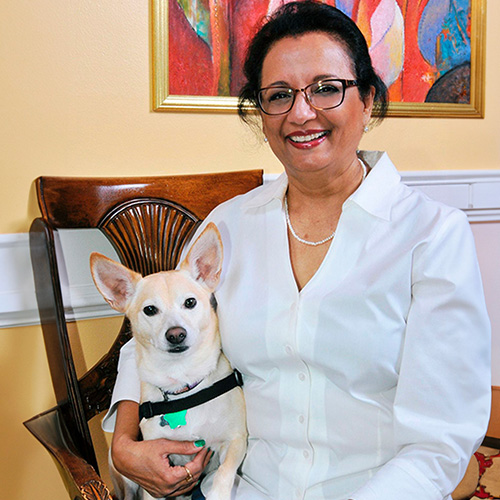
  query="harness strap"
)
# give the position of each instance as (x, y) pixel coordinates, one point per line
(149, 409)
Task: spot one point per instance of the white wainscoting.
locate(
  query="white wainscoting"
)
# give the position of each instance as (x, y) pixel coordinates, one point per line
(17, 291)
(475, 192)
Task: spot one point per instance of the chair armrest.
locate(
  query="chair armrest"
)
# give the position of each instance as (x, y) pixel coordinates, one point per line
(491, 442)
(80, 478)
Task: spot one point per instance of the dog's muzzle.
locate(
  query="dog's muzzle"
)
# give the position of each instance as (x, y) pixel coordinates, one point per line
(176, 336)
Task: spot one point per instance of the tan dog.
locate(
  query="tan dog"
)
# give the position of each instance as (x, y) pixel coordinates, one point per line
(178, 353)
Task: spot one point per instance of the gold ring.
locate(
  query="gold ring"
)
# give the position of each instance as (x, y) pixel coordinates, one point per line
(189, 476)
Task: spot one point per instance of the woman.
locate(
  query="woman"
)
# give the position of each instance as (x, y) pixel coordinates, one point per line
(351, 304)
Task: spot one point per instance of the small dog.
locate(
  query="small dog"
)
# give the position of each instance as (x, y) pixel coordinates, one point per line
(173, 319)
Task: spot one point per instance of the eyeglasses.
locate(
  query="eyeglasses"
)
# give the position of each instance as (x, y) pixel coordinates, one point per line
(325, 94)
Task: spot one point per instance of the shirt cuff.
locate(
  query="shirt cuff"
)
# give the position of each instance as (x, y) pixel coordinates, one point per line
(127, 385)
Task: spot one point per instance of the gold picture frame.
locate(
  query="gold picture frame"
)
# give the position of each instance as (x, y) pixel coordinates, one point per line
(163, 101)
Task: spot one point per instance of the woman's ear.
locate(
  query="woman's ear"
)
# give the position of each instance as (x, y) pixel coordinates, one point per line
(368, 101)
(264, 133)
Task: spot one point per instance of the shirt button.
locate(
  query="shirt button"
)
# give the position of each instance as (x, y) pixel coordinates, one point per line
(302, 377)
(288, 349)
(302, 419)
(306, 454)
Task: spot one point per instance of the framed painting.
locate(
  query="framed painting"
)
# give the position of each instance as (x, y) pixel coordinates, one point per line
(430, 53)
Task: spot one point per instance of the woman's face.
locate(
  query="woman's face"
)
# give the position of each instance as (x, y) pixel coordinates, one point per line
(306, 139)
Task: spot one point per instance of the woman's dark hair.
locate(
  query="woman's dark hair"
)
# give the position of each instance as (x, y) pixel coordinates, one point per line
(295, 19)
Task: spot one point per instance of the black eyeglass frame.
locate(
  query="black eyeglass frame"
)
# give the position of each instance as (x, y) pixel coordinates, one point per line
(345, 85)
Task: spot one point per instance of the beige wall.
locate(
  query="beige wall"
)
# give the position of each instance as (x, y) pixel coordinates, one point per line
(75, 100)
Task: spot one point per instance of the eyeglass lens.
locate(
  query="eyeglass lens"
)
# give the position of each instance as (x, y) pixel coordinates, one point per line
(321, 95)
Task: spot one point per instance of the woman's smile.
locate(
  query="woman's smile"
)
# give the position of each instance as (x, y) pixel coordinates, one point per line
(307, 139)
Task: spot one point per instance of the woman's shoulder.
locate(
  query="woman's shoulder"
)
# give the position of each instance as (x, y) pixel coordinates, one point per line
(407, 197)
(409, 208)
(424, 207)
(272, 189)
(430, 222)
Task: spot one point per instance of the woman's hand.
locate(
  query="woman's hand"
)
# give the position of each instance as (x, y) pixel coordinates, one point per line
(146, 462)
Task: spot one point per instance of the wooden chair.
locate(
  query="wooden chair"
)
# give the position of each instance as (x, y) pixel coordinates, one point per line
(148, 220)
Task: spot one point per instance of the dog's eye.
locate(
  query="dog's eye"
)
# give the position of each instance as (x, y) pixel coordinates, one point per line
(190, 303)
(150, 310)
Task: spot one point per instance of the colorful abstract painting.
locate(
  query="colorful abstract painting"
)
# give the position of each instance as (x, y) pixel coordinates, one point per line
(421, 48)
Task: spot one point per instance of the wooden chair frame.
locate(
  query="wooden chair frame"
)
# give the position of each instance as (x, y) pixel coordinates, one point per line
(148, 221)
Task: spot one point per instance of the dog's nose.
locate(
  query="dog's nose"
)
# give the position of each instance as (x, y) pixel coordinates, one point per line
(176, 335)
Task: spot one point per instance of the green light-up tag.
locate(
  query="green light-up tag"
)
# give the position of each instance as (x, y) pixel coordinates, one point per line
(174, 420)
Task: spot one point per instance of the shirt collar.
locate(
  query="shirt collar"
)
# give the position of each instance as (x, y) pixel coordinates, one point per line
(374, 195)
(274, 190)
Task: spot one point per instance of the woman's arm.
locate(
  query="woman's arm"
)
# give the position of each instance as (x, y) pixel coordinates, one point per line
(146, 462)
(442, 401)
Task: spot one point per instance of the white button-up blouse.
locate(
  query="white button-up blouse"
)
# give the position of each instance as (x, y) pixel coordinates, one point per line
(373, 381)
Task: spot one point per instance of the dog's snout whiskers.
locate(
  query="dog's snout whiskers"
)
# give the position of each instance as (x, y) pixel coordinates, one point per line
(176, 335)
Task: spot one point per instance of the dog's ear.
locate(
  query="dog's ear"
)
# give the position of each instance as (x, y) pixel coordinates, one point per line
(204, 259)
(115, 282)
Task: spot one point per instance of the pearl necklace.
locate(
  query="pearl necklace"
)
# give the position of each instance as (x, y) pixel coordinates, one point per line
(328, 238)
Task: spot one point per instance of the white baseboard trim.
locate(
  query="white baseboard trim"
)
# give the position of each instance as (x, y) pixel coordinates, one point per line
(475, 192)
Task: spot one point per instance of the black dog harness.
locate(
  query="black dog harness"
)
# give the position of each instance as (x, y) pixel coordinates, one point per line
(149, 409)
